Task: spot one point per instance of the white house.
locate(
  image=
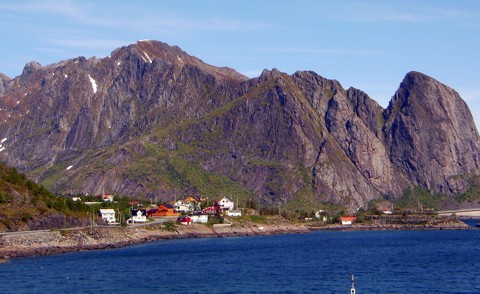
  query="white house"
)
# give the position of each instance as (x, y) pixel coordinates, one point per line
(236, 212)
(138, 216)
(321, 215)
(347, 220)
(107, 198)
(199, 218)
(181, 206)
(226, 204)
(108, 215)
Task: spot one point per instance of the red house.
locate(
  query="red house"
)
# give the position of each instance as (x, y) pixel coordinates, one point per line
(184, 220)
(215, 209)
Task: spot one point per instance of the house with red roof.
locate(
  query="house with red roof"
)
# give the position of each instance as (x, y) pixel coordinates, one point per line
(347, 220)
(163, 210)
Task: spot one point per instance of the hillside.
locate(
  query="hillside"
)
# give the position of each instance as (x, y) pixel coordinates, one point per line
(24, 205)
(152, 121)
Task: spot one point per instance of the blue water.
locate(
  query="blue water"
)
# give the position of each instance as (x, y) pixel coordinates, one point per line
(319, 262)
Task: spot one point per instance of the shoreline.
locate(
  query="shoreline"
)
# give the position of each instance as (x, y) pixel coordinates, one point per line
(65, 241)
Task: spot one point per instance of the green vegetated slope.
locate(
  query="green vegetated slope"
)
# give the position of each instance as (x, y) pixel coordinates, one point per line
(26, 205)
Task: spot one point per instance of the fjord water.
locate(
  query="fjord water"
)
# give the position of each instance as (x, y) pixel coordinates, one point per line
(318, 262)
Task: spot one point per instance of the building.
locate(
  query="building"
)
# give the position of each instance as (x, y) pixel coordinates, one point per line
(199, 218)
(321, 215)
(183, 207)
(108, 215)
(138, 216)
(347, 220)
(195, 201)
(212, 209)
(163, 210)
(107, 198)
(134, 203)
(184, 220)
(236, 212)
(226, 204)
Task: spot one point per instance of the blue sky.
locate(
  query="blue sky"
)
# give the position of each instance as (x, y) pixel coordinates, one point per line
(369, 45)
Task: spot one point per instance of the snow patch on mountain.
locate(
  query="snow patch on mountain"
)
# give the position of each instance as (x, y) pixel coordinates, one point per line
(94, 84)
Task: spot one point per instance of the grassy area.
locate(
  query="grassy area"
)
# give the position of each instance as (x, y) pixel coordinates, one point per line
(469, 196)
(418, 198)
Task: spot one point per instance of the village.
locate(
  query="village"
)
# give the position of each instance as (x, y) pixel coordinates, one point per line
(184, 211)
(199, 210)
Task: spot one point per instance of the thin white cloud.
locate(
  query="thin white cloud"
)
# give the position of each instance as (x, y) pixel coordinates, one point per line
(74, 10)
(89, 14)
(393, 12)
(93, 43)
(167, 23)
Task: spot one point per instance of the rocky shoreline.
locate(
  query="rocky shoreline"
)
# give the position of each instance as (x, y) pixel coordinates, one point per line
(445, 225)
(64, 241)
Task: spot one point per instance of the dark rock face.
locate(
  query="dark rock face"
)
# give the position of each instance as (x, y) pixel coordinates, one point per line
(432, 137)
(143, 118)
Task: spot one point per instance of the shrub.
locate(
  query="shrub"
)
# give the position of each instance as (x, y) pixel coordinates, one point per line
(5, 198)
(170, 225)
(26, 217)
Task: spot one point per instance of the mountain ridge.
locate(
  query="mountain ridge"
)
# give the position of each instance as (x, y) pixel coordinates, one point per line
(152, 120)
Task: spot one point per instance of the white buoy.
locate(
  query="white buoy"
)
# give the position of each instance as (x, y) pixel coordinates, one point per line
(352, 290)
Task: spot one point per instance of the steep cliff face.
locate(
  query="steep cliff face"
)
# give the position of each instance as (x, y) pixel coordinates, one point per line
(151, 119)
(356, 156)
(63, 110)
(431, 135)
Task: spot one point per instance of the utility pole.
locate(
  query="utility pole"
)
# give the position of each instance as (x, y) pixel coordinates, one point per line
(92, 221)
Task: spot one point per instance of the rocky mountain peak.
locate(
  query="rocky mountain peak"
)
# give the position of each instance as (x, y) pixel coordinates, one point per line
(31, 67)
(431, 134)
(274, 73)
(149, 50)
(4, 77)
(151, 118)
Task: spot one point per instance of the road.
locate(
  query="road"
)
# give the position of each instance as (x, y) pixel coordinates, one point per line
(154, 222)
(461, 212)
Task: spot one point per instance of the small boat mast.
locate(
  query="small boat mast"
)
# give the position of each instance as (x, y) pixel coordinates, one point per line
(352, 290)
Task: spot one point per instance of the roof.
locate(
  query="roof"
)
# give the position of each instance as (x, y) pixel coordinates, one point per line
(107, 210)
(348, 218)
(167, 205)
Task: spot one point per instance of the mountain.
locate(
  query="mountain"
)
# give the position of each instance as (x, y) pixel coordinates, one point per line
(151, 120)
(432, 138)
